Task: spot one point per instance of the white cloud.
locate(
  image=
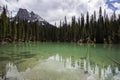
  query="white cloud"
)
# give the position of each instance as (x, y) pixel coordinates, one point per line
(117, 5)
(55, 10)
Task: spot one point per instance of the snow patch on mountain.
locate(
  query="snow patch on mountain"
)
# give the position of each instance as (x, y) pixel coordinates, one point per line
(30, 16)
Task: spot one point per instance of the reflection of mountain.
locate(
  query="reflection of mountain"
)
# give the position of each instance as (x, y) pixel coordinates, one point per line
(63, 69)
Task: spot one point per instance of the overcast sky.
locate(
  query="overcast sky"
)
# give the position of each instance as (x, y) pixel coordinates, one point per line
(55, 10)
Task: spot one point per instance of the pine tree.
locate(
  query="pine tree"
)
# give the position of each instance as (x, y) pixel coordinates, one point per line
(4, 20)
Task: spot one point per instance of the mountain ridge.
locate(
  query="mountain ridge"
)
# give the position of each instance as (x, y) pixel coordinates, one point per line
(24, 14)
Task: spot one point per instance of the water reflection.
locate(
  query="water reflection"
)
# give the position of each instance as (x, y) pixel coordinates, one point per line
(57, 68)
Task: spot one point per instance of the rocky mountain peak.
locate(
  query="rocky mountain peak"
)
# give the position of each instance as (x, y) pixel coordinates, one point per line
(23, 14)
(30, 16)
(32, 13)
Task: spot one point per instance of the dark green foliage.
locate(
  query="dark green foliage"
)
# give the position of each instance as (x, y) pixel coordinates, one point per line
(101, 30)
(83, 30)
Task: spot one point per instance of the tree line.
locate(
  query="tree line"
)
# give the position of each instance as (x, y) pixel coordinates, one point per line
(86, 29)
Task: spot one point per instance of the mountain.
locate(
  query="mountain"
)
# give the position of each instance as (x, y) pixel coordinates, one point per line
(23, 14)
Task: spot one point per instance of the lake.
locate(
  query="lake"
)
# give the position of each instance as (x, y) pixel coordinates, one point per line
(60, 61)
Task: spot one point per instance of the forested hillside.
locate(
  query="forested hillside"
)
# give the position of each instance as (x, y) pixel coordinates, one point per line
(86, 29)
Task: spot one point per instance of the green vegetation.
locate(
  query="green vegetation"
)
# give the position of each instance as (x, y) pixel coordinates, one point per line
(91, 30)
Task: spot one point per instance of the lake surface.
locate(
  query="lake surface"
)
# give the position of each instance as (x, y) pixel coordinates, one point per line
(60, 61)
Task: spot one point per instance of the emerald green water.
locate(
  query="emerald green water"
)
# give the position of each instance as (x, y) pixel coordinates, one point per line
(26, 55)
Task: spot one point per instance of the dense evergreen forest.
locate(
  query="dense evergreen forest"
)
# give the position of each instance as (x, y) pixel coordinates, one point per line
(86, 29)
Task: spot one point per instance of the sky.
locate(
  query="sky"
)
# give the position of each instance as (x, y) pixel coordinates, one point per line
(55, 10)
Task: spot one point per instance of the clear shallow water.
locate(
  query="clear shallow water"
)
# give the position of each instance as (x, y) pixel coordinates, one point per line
(89, 60)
